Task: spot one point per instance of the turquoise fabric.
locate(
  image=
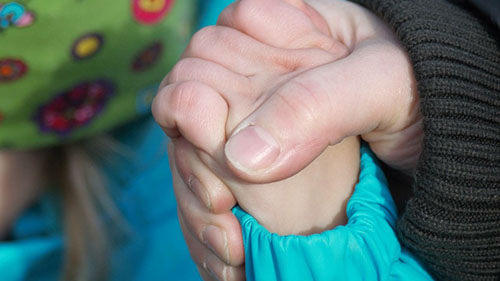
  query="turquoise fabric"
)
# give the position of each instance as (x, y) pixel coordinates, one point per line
(142, 190)
(211, 10)
(366, 248)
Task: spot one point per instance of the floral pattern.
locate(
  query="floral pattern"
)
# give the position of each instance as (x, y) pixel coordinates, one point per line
(11, 69)
(54, 54)
(75, 108)
(14, 14)
(150, 12)
(87, 46)
(148, 57)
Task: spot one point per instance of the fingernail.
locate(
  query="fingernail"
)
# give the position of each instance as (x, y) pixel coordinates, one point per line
(197, 188)
(216, 268)
(216, 240)
(252, 149)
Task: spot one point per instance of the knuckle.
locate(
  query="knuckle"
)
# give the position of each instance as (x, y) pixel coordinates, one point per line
(182, 70)
(182, 98)
(173, 102)
(243, 13)
(201, 40)
(214, 42)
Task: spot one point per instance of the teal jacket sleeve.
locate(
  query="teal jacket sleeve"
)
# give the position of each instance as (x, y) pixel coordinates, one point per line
(210, 10)
(366, 248)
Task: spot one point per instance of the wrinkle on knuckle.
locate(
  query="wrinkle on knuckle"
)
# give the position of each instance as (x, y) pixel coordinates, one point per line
(182, 98)
(214, 43)
(201, 40)
(181, 70)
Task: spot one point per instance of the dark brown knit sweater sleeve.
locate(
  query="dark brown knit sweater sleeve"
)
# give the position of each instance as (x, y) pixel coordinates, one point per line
(452, 223)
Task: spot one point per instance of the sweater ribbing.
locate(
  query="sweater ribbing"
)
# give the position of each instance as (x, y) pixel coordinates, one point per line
(452, 223)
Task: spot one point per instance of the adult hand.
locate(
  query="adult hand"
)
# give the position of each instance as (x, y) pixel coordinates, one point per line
(369, 92)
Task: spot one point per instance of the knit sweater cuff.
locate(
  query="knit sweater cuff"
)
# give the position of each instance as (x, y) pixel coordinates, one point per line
(451, 223)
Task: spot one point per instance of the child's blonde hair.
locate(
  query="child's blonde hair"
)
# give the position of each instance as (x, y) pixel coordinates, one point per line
(84, 202)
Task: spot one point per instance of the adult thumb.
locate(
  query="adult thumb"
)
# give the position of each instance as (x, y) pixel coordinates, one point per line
(315, 109)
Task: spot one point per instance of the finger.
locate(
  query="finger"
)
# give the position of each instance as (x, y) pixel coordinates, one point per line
(195, 111)
(317, 109)
(297, 26)
(204, 274)
(210, 266)
(221, 233)
(238, 52)
(238, 91)
(207, 187)
(215, 75)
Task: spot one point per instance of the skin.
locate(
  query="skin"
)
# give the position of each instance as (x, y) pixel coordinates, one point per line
(20, 175)
(309, 202)
(319, 73)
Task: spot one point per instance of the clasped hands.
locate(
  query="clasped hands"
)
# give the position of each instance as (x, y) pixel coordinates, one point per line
(260, 95)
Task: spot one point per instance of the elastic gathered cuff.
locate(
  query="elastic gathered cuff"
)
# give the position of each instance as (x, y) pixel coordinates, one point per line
(366, 248)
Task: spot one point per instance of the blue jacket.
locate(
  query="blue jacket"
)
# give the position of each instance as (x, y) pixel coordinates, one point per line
(142, 190)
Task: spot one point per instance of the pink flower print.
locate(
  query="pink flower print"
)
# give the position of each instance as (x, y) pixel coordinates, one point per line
(15, 14)
(150, 12)
(26, 19)
(75, 108)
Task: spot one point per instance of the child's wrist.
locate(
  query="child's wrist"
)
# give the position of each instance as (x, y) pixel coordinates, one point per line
(312, 201)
